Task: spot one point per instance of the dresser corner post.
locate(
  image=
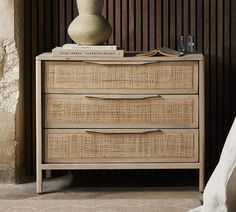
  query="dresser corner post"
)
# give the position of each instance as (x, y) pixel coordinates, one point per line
(202, 125)
(39, 177)
(39, 181)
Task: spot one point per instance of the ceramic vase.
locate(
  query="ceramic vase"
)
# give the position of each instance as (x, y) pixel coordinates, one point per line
(90, 27)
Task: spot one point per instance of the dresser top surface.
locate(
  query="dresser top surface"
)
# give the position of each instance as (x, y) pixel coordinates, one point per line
(129, 57)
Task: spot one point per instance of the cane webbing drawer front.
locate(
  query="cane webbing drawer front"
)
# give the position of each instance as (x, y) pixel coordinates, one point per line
(80, 77)
(129, 111)
(121, 146)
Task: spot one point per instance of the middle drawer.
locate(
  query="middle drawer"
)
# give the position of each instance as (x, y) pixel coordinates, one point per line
(122, 111)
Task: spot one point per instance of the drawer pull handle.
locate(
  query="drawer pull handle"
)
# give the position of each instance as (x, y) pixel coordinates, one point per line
(122, 97)
(123, 132)
(122, 62)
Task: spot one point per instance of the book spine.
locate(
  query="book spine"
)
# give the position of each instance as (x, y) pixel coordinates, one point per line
(76, 47)
(87, 53)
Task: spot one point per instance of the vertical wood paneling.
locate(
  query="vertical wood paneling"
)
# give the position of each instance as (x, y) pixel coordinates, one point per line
(62, 29)
(165, 25)
(75, 9)
(41, 26)
(27, 89)
(193, 18)
(138, 25)
(48, 24)
(233, 56)
(145, 24)
(111, 20)
(131, 25)
(124, 24)
(179, 17)
(213, 82)
(69, 18)
(172, 24)
(55, 23)
(142, 25)
(186, 18)
(159, 31)
(199, 26)
(105, 12)
(34, 50)
(220, 73)
(226, 69)
(206, 52)
(117, 28)
(152, 19)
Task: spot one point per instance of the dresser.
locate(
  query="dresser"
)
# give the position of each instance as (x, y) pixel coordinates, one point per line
(119, 113)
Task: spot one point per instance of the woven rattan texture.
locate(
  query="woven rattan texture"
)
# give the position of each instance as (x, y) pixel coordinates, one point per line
(92, 76)
(79, 109)
(77, 146)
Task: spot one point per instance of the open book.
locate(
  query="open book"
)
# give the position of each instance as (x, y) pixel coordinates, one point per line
(162, 51)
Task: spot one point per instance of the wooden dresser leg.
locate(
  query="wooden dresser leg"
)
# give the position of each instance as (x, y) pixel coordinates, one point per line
(48, 174)
(201, 180)
(39, 182)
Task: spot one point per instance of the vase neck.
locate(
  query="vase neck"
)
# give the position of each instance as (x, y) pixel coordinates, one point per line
(90, 7)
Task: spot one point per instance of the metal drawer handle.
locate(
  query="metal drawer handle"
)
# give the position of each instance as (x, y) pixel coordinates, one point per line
(121, 62)
(124, 132)
(122, 97)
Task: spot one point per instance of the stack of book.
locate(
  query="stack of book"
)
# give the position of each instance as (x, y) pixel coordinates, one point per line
(74, 50)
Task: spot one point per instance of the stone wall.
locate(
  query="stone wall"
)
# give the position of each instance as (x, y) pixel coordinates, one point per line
(9, 92)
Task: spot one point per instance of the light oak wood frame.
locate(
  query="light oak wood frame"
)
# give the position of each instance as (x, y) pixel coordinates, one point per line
(39, 161)
(113, 166)
(201, 125)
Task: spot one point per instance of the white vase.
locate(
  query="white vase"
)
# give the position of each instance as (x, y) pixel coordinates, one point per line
(90, 27)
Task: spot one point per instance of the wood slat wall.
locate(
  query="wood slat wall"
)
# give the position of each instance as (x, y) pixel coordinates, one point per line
(143, 25)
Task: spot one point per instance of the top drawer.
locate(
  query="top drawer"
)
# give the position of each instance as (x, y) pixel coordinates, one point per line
(160, 77)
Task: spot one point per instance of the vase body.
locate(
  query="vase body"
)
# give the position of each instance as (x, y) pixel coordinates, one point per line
(90, 27)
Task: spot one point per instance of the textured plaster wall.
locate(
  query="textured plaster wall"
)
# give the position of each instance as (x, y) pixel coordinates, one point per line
(9, 92)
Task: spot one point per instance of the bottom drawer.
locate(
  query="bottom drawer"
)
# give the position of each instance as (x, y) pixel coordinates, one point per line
(120, 145)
